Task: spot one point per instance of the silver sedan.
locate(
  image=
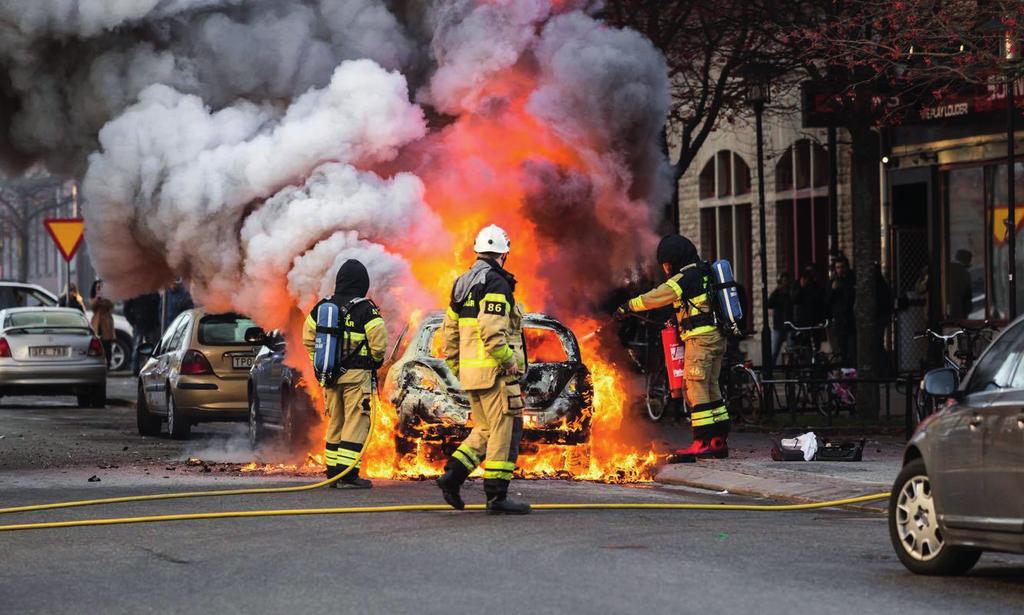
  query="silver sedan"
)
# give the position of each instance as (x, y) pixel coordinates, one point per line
(51, 351)
(961, 490)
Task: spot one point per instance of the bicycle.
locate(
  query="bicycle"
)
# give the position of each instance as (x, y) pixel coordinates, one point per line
(645, 352)
(742, 391)
(970, 342)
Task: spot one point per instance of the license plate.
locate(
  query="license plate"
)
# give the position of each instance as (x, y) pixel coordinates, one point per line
(242, 362)
(48, 352)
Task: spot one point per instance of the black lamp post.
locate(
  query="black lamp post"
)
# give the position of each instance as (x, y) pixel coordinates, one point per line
(758, 95)
(1012, 56)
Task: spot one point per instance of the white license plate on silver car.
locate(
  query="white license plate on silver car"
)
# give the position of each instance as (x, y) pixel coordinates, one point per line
(242, 362)
(48, 352)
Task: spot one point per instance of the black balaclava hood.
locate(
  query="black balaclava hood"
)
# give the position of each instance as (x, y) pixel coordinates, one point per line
(352, 281)
(677, 251)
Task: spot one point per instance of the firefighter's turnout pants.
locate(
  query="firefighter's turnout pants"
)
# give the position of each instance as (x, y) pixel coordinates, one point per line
(703, 354)
(347, 408)
(497, 429)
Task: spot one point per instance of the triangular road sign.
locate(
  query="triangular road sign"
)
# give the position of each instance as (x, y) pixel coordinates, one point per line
(67, 233)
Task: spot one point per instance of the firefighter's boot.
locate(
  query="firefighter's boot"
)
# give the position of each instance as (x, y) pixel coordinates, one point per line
(497, 499)
(450, 483)
(352, 480)
(714, 447)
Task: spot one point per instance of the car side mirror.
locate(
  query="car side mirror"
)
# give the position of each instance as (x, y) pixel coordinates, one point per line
(146, 349)
(255, 335)
(942, 382)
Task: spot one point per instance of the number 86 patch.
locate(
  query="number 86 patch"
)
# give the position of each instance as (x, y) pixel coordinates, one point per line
(491, 307)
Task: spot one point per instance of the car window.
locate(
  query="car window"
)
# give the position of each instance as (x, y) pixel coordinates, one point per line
(996, 367)
(56, 319)
(224, 330)
(42, 299)
(544, 345)
(436, 343)
(179, 334)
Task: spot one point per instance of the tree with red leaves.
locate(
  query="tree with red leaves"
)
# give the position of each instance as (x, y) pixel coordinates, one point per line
(706, 46)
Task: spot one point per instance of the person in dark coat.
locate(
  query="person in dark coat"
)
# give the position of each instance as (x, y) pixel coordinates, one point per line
(178, 299)
(841, 296)
(143, 314)
(780, 302)
(883, 314)
(72, 298)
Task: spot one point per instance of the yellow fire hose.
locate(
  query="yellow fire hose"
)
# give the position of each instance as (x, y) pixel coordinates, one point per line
(361, 509)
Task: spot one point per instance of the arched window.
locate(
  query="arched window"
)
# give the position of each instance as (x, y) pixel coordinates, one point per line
(724, 175)
(725, 224)
(801, 208)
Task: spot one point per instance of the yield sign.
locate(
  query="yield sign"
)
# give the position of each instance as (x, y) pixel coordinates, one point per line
(67, 233)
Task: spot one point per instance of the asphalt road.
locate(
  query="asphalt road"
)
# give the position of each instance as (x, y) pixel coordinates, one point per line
(438, 562)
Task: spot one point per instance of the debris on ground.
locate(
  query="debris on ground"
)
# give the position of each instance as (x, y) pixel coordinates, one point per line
(94, 479)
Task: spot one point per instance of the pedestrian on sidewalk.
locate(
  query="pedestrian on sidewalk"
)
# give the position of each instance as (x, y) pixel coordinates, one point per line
(143, 314)
(102, 318)
(780, 302)
(841, 296)
(177, 299)
(72, 298)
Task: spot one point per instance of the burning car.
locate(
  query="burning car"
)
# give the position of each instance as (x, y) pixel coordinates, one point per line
(433, 409)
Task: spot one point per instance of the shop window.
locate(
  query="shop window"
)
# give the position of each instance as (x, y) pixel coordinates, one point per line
(975, 259)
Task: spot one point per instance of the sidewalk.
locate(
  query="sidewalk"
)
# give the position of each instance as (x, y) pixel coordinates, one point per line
(751, 471)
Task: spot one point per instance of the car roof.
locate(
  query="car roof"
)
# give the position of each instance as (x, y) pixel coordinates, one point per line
(40, 308)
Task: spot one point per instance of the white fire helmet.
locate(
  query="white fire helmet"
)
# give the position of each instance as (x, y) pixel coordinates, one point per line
(492, 239)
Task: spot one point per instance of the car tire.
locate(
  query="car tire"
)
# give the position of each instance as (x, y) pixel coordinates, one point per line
(914, 529)
(178, 426)
(149, 424)
(120, 354)
(257, 433)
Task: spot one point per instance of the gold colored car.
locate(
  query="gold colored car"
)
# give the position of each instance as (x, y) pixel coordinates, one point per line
(197, 373)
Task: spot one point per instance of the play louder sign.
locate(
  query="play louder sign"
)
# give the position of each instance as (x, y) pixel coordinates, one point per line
(67, 233)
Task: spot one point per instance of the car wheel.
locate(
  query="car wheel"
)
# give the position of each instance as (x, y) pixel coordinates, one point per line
(120, 352)
(256, 432)
(915, 531)
(178, 426)
(149, 425)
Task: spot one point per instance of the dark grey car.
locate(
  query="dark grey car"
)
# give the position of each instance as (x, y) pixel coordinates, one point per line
(961, 490)
(280, 411)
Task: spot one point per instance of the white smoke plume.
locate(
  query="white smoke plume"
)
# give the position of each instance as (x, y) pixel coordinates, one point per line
(252, 147)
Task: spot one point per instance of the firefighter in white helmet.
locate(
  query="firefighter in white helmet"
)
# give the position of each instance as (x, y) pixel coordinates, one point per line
(484, 347)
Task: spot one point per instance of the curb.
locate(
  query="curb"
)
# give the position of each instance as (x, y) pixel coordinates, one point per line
(702, 477)
(120, 403)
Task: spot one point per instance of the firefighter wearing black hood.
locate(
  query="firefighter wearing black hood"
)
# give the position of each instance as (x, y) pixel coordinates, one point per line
(347, 401)
(687, 290)
(484, 347)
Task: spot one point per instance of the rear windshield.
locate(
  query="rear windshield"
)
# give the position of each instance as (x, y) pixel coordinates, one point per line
(45, 319)
(224, 330)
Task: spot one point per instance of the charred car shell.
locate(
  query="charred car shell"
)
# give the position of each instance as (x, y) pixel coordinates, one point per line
(432, 407)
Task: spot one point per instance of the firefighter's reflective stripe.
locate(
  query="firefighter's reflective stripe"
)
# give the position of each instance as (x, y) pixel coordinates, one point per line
(310, 324)
(348, 454)
(501, 470)
(373, 324)
(709, 413)
(637, 304)
(671, 283)
(467, 457)
(451, 314)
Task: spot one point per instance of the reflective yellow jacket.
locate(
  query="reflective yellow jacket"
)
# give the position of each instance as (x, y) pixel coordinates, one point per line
(483, 327)
(687, 292)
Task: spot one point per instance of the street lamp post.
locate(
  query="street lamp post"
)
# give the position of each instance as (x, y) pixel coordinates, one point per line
(758, 95)
(1012, 59)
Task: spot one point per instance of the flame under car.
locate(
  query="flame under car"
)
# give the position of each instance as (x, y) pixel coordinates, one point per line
(433, 409)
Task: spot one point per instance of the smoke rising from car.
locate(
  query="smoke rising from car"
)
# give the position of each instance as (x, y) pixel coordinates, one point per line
(251, 147)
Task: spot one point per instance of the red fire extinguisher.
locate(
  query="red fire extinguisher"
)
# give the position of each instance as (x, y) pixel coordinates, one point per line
(674, 364)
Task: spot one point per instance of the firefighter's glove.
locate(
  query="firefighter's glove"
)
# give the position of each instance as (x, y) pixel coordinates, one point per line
(510, 368)
(622, 312)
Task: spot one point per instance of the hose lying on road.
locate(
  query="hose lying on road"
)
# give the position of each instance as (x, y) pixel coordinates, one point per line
(202, 494)
(236, 514)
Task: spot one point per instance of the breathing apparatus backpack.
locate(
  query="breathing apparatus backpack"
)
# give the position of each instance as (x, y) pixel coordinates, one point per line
(330, 348)
(725, 297)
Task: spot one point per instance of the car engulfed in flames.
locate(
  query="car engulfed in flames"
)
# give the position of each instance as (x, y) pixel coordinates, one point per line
(433, 411)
